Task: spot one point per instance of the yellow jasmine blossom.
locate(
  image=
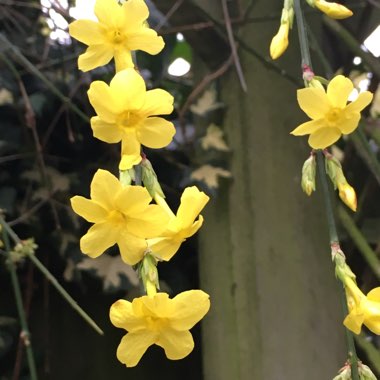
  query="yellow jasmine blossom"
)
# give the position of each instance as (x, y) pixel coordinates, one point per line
(181, 226)
(120, 29)
(333, 10)
(362, 309)
(280, 41)
(126, 112)
(331, 115)
(158, 320)
(121, 215)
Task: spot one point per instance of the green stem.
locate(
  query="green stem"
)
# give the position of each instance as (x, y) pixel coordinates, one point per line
(335, 240)
(52, 279)
(306, 60)
(28, 65)
(25, 334)
(326, 194)
(302, 35)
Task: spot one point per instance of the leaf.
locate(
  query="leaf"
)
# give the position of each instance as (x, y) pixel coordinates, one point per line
(206, 103)
(110, 270)
(210, 175)
(214, 139)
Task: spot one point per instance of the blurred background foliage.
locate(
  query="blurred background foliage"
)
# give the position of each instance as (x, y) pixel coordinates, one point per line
(48, 154)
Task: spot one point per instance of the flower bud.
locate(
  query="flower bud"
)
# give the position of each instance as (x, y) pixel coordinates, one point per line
(333, 10)
(280, 41)
(344, 373)
(365, 372)
(335, 172)
(347, 195)
(308, 175)
(150, 180)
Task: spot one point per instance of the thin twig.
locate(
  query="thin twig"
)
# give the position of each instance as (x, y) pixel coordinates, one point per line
(232, 43)
(52, 279)
(169, 14)
(24, 334)
(198, 89)
(28, 65)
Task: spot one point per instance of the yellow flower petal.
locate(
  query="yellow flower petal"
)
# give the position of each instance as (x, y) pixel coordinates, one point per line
(190, 308)
(147, 40)
(149, 223)
(373, 325)
(354, 322)
(164, 248)
(132, 199)
(157, 102)
(110, 13)
(349, 125)
(190, 231)
(156, 132)
(102, 99)
(324, 137)
(338, 91)
(104, 187)
(309, 127)
(158, 306)
(374, 295)
(192, 203)
(107, 132)
(133, 346)
(88, 32)
(122, 316)
(313, 101)
(177, 344)
(131, 248)
(95, 56)
(99, 237)
(135, 12)
(128, 89)
(88, 209)
(360, 103)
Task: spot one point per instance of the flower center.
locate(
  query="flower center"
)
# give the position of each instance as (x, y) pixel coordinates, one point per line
(116, 37)
(333, 116)
(156, 323)
(129, 119)
(116, 217)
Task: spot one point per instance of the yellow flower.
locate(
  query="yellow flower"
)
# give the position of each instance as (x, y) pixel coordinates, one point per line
(280, 41)
(333, 10)
(125, 111)
(121, 215)
(158, 320)
(181, 226)
(362, 309)
(331, 115)
(120, 30)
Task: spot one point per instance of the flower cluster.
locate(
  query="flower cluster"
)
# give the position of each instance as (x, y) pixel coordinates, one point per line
(121, 209)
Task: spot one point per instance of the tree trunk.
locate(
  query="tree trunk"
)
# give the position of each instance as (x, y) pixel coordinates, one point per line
(264, 254)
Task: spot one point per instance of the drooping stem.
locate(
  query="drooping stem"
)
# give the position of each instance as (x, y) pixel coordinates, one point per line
(302, 34)
(334, 240)
(52, 279)
(306, 60)
(25, 335)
